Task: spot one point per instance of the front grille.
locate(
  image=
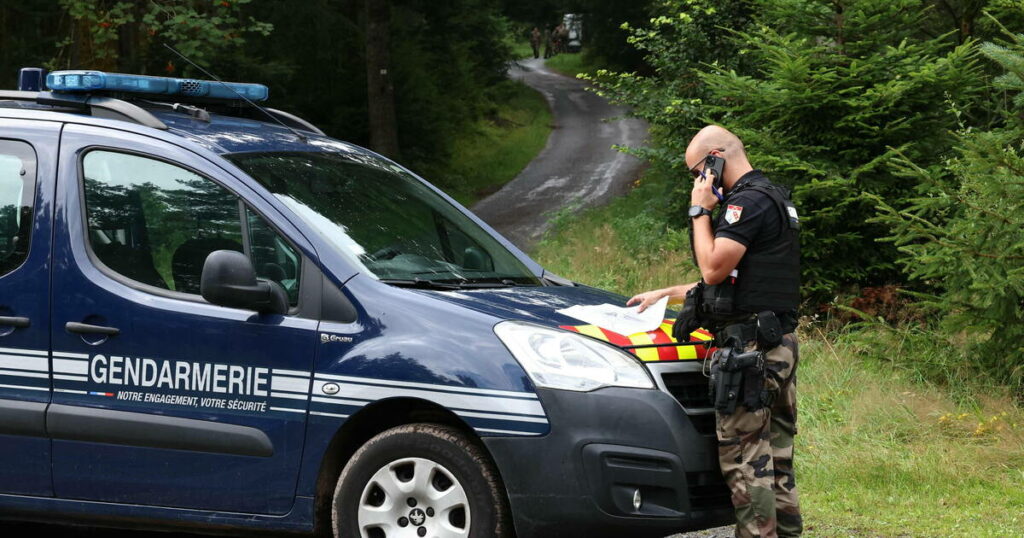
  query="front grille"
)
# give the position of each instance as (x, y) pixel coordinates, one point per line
(689, 388)
(707, 491)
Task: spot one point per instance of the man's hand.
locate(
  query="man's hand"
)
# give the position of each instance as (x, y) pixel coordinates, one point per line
(675, 295)
(702, 194)
(646, 298)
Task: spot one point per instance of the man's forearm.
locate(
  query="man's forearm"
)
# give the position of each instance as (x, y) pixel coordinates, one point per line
(676, 294)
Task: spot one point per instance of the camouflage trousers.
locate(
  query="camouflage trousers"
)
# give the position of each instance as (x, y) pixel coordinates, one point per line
(755, 450)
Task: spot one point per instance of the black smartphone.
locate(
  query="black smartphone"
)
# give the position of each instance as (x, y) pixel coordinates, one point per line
(716, 165)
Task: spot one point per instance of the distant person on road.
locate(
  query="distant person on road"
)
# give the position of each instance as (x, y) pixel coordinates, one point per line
(535, 42)
(749, 259)
(556, 39)
(548, 36)
(563, 38)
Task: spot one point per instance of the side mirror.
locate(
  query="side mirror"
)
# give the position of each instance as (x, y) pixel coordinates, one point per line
(230, 280)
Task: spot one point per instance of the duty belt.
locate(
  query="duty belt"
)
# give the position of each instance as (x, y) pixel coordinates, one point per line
(766, 328)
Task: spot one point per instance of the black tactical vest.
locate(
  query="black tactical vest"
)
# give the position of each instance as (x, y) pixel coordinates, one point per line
(768, 278)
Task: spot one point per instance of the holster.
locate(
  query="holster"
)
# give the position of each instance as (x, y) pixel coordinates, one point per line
(737, 377)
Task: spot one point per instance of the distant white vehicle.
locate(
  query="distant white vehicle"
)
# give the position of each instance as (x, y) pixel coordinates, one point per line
(574, 23)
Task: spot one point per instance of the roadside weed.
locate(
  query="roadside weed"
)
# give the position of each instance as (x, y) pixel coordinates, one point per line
(495, 149)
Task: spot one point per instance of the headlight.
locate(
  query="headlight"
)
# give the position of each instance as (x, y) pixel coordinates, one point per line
(558, 359)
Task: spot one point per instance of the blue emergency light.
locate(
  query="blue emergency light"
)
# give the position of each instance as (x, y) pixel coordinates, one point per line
(94, 81)
(30, 79)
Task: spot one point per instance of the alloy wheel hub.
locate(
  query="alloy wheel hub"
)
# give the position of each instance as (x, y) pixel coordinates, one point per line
(413, 497)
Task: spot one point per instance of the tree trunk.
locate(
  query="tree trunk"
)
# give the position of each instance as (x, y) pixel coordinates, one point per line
(128, 48)
(380, 91)
(837, 8)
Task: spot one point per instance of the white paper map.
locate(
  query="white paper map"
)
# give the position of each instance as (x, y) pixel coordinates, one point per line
(624, 320)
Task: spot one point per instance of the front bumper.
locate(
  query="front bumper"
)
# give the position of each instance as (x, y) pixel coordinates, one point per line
(580, 479)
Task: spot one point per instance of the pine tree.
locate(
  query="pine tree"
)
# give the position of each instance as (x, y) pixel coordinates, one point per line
(841, 85)
(963, 238)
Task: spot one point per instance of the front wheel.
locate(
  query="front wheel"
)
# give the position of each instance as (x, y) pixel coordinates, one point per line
(420, 480)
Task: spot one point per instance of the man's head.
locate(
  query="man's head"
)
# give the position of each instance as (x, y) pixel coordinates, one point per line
(718, 141)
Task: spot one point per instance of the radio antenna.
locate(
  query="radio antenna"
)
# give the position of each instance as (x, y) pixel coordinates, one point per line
(302, 138)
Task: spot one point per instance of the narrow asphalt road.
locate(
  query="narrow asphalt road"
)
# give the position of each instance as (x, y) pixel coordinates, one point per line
(577, 169)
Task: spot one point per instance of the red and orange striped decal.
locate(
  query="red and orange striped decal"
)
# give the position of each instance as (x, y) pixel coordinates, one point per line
(661, 335)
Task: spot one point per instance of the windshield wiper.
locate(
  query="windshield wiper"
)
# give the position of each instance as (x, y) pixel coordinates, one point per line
(421, 283)
(494, 282)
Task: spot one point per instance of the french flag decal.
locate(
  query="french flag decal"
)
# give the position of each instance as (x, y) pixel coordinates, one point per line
(107, 394)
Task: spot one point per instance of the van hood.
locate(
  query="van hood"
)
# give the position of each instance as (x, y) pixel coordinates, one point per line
(535, 304)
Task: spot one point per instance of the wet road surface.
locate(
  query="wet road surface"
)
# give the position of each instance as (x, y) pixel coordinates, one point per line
(577, 169)
(721, 532)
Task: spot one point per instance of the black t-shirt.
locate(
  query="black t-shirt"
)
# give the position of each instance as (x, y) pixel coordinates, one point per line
(748, 217)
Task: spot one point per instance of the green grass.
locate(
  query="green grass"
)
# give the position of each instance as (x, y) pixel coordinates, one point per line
(880, 451)
(882, 454)
(570, 64)
(498, 147)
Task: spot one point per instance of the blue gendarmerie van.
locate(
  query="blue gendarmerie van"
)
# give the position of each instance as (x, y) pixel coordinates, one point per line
(214, 317)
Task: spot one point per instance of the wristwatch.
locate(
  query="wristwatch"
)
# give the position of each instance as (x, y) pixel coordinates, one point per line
(698, 211)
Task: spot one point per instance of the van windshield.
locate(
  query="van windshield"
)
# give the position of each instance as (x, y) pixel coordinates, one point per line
(386, 221)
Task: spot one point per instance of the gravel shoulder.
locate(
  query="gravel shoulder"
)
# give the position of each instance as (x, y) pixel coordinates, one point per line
(720, 532)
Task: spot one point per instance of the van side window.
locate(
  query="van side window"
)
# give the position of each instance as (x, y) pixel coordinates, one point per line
(154, 222)
(17, 198)
(273, 258)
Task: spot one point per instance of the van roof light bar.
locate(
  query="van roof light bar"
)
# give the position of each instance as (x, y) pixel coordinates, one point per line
(30, 79)
(231, 88)
(86, 81)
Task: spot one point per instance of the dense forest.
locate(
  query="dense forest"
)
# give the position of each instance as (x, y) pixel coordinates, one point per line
(405, 77)
(444, 56)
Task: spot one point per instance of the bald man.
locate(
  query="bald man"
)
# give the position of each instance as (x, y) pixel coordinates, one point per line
(749, 261)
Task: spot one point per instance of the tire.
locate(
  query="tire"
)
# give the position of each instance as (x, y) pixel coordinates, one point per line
(455, 487)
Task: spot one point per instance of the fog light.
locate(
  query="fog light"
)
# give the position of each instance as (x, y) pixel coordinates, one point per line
(637, 501)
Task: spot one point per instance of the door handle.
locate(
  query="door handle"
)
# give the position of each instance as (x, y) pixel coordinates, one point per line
(14, 321)
(85, 328)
